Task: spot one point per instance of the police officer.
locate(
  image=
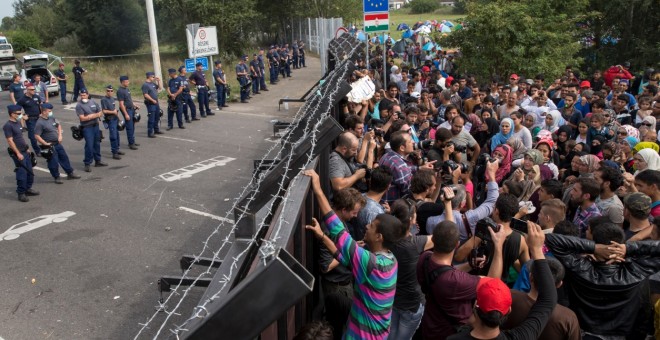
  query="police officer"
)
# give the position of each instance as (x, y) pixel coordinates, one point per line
(49, 134)
(41, 88)
(61, 80)
(186, 98)
(16, 89)
(174, 90)
(301, 52)
(262, 68)
(220, 84)
(150, 92)
(89, 114)
(78, 84)
(287, 60)
(19, 153)
(272, 64)
(255, 73)
(296, 54)
(127, 108)
(241, 76)
(198, 78)
(31, 103)
(111, 120)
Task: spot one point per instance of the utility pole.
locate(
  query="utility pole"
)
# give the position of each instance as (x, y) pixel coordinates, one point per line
(153, 37)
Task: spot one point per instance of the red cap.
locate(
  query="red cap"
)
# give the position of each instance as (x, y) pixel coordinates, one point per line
(61, 64)
(493, 294)
(426, 69)
(585, 83)
(514, 76)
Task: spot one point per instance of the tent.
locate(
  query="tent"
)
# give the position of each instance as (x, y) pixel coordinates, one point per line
(448, 23)
(445, 29)
(429, 46)
(402, 27)
(424, 30)
(400, 46)
(361, 36)
(407, 34)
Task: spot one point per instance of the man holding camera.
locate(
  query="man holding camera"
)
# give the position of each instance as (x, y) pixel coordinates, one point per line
(463, 140)
(343, 171)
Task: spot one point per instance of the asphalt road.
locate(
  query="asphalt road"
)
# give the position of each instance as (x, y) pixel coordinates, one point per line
(85, 266)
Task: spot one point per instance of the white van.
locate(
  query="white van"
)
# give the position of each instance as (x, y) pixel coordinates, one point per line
(3, 40)
(6, 51)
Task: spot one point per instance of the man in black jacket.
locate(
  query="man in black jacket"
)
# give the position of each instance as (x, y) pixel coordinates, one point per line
(605, 289)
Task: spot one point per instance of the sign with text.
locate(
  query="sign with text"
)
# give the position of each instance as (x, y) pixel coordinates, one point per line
(190, 64)
(203, 42)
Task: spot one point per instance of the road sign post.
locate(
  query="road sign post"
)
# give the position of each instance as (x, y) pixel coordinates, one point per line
(376, 19)
(190, 64)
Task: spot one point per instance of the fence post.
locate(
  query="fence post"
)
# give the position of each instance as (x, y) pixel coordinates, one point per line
(309, 33)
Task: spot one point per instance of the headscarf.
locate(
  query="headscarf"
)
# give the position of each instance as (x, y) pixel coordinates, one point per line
(592, 163)
(500, 138)
(476, 123)
(597, 149)
(535, 155)
(531, 185)
(632, 141)
(650, 119)
(651, 158)
(561, 146)
(632, 132)
(646, 145)
(517, 146)
(493, 126)
(556, 119)
(505, 165)
(546, 172)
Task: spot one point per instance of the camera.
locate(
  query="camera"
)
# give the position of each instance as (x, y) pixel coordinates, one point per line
(367, 175)
(481, 231)
(424, 144)
(453, 188)
(379, 133)
(457, 148)
(485, 158)
(449, 166)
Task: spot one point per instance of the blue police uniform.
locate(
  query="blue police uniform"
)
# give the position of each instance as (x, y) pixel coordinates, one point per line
(49, 129)
(62, 75)
(174, 85)
(262, 68)
(124, 95)
(274, 60)
(153, 109)
(78, 84)
(32, 107)
(220, 87)
(186, 98)
(296, 56)
(202, 92)
(242, 80)
(24, 174)
(108, 103)
(255, 74)
(90, 131)
(301, 52)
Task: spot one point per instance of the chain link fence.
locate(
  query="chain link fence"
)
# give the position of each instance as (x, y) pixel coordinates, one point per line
(316, 33)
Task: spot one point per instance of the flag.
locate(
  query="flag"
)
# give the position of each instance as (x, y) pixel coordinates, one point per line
(371, 6)
(376, 22)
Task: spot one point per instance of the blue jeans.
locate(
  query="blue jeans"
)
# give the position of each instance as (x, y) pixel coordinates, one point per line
(31, 124)
(153, 113)
(203, 101)
(63, 91)
(114, 134)
(92, 136)
(24, 174)
(130, 126)
(179, 114)
(255, 84)
(188, 103)
(404, 323)
(220, 92)
(244, 93)
(59, 158)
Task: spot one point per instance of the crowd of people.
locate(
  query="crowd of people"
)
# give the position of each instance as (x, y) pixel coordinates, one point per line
(32, 112)
(463, 208)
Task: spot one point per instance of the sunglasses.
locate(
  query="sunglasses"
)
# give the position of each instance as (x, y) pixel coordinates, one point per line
(109, 90)
(647, 124)
(621, 133)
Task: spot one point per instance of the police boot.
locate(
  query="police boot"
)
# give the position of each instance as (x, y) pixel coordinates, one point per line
(23, 198)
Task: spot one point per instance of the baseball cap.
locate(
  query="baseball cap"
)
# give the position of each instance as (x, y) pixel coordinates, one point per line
(514, 76)
(198, 64)
(14, 108)
(48, 106)
(122, 78)
(638, 202)
(529, 81)
(493, 295)
(84, 90)
(585, 83)
(415, 95)
(624, 81)
(426, 69)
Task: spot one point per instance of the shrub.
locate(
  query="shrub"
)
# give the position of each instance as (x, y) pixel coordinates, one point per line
(21, 40)
(423, 6)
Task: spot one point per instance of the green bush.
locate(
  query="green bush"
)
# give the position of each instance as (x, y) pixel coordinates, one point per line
(22, 40)
(423, 6)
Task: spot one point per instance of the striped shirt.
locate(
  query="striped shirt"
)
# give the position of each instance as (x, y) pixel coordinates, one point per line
(402, 172)
(374, 286)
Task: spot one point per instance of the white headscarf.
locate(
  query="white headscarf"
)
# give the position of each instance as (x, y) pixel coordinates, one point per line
(651, 158)
(556, 119)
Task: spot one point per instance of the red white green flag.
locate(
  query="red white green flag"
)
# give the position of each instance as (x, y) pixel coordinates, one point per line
(376, 22)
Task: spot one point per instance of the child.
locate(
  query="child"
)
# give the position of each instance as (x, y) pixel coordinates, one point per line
(643, 111)
(598, 128)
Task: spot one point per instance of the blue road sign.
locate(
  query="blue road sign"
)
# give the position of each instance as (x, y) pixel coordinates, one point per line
(374, 6)
(190, 64)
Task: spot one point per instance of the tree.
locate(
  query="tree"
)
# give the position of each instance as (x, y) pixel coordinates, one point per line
(8, 24)
(528, 37)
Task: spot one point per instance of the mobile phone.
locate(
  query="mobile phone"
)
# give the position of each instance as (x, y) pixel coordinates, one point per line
(519, 225)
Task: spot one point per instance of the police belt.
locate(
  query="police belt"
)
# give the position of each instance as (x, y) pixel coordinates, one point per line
(201, 86)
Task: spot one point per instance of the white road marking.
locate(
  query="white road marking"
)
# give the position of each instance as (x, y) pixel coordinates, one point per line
(40, 169)
(181, 139)
(17, 229)
(70, 107)
(188, 171)
(218, 218)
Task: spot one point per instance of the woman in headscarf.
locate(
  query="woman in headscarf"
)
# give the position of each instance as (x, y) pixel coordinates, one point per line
(546, 147)
(530, 181)
(649, 122)
(476, 123)
(627, 147)
(506, 131)
(589, 164)
(625, 131)
(646, 159)
(503, 153)
(488, 129)
(532, 157)
(529, 122)
(563, 135)
(597, 146)
(517, 146)
(646, 145)
(552, 120)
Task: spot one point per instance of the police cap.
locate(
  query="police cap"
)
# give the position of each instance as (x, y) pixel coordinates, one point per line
(84, 90)
(109, 87)
(217, 62)
(122, 78)
(198, 64)
(14, 108)
(150, 74)
(48, 106)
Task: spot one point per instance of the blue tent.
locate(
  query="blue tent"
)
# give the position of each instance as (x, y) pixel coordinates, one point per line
(445, 29)
(402, 27)
(361, 36)
(407, 34)
(448, 23)
(428, 46)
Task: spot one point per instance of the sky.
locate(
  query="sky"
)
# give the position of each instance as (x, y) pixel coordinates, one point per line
(6, 8)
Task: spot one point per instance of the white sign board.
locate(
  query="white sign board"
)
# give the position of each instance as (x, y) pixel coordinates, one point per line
(205, 42)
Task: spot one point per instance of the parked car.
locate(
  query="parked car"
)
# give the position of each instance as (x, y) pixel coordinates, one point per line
(6, 51)
(7, 70)
(38, 64)
(3, 40)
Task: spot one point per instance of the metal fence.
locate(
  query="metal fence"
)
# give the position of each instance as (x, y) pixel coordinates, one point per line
(316, 33)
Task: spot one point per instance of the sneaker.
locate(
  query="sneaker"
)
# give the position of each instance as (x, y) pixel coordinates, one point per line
(152, 136)
(168, 129)
(132, 147)
(32, 192)
(195, 119)
(72, 176)
(101, 163)
(210, 114)
(114, 156)
(136, 144)
(119, 152)
(88, 168)
(23, 198)
(58, 180)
